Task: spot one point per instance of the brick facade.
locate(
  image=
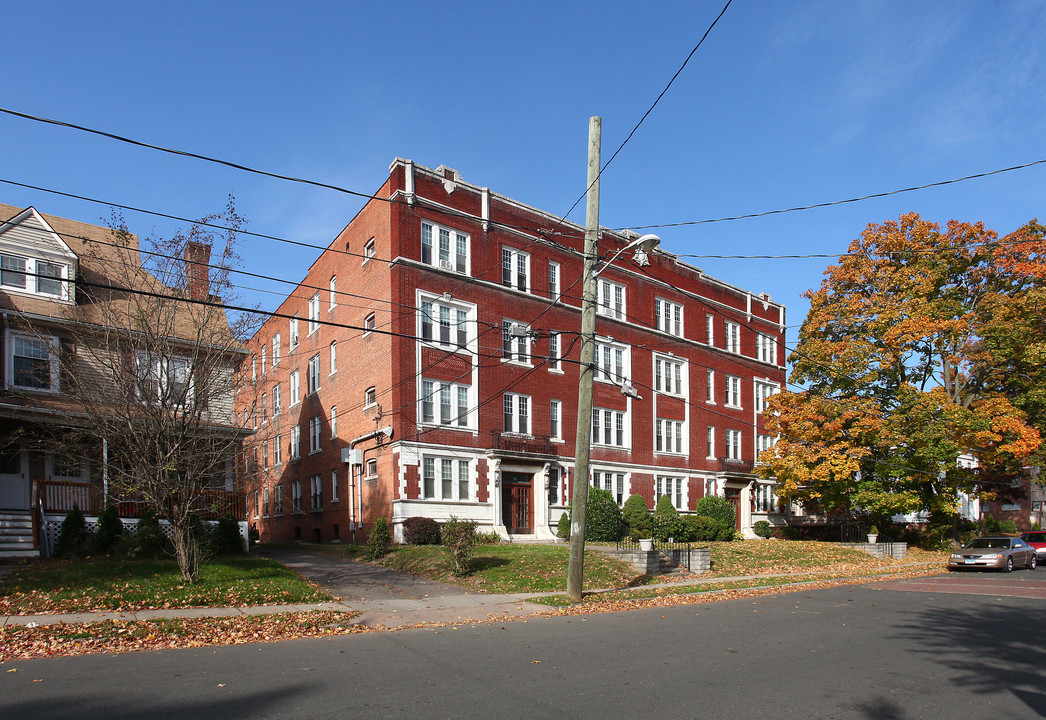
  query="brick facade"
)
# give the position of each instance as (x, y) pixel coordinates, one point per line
(427, 281)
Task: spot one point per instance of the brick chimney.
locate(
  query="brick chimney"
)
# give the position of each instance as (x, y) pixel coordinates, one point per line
(197, 275)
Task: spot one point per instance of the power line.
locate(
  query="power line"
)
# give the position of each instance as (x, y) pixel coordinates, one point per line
(838, 202)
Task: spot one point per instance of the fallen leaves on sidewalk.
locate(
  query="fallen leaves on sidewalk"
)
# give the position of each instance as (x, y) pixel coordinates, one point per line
(112, 636)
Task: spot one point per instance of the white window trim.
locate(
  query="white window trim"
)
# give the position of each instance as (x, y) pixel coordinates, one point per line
(514, 257)
(666, 314)
(732, 337)
(456, 421)
(514, 399)
(599, 423)
(665, 436)
(438, 494)
(32, 274)
(436, 302)
(515, 350)
(53, 350)
(606, 299)
(601, 478)
(680, 499)
(667, 362)
(732, 398)
(604, 368)
(314, 313)
(450, 263)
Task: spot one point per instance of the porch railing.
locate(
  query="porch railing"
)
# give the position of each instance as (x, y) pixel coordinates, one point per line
(530, 444)
(59, 497)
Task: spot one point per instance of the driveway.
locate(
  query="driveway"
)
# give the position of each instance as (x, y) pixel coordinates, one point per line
(353, 581)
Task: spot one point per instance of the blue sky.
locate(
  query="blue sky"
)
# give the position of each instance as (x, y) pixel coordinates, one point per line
(785, 104)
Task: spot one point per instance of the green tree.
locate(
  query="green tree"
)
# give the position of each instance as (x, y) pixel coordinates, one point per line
(906, 368)
(636, 516)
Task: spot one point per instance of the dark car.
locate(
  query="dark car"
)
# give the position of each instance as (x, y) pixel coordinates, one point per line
(1037, 539)
(994, 553)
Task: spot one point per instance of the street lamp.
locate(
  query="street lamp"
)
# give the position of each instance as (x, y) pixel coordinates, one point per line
(583, 436)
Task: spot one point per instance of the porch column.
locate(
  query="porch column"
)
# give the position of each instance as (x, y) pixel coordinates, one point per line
(494, 483)
(541, 514)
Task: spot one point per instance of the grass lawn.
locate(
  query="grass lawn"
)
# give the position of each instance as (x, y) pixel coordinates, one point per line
(509, 568)
(57, 586)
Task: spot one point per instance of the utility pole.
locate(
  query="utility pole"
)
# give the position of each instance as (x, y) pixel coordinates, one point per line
(579, 495)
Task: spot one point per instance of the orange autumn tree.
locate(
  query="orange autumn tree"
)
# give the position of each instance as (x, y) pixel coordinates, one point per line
(910, 360)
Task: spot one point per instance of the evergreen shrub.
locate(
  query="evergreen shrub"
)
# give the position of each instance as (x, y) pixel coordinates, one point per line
(73, 536)
(763, 529)
(109, 533)
(379, 540)
(602, 516)
(637, 517)
(227, 539)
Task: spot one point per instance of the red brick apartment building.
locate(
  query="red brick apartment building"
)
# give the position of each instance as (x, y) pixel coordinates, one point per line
(428, 366)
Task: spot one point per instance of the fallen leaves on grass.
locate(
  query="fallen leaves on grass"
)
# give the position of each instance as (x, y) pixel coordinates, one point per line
(113, 636)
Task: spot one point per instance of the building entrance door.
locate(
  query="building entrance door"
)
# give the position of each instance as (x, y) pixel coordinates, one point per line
(734, 496)
(517, 506)
(14, 483)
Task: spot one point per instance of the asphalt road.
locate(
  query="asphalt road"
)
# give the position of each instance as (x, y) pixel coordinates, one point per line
(877, 651)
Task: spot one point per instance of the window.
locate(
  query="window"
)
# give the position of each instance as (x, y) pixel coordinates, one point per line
(13, 271)
(333, 292)
(296, 496)
(372, 468)
(611, 482)
(277, 450)
(555, 429)
(515, 269)
(368, 251)
(553, 352)
(444, 324)
(610, 299)
(263, 360)
(710, 443)
(368, 325)
(553, 280)
(294, 333)
(275, 349)
(33, 362)
(295, 449)
(314, 313)
(516, 413)
(315, 425)
(254, 370)
(370, 397)
(766, 348)
(334, 485)
(762, 443)
(515, 341)
(444, 248)
(669, 436)
(555, 478)
(265, 408)
(334, 356)
(164, 379)
(314, 373)
(765, 500)
(763, 391)
(672, 487)
(668, 375)
(334, 421)
(276, 401)
(277, 501)
(265, 502)
(668, 317)
(453, 400)
(317, 493)
(610, 361)
(710, 387)
(265, 454)
(444, 478)
(733, 391)
(47, 278)
(295, 383)
(733, 444)
(732, 337)
(608, 427)
(710, 330)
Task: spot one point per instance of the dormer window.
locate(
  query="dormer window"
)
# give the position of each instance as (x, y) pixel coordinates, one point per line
(36, 277)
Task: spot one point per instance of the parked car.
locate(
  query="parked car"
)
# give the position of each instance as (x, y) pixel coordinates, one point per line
(1037, 539)
(996, 552)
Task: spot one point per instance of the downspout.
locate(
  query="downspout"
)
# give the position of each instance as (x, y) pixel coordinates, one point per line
(352, 457)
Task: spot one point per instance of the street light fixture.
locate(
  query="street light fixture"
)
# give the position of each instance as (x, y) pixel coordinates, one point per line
(583, 436)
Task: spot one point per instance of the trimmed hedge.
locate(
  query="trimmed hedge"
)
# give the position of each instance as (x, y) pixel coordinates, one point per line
(421, 531)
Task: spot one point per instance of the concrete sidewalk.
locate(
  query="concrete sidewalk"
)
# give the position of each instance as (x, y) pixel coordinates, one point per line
(398, 611)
